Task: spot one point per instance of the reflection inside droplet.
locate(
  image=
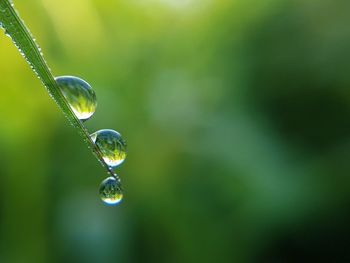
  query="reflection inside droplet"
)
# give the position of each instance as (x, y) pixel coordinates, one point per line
(79, 94)
(110, 191)
(111, 145)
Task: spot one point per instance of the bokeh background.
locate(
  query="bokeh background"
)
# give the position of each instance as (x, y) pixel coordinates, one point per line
(237, 118)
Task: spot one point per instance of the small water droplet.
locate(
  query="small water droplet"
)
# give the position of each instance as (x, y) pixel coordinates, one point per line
(111, 145)
(79, 94)
(110, 191)
(7, 33)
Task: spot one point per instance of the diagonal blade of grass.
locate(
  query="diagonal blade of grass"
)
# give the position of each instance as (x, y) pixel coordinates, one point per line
(22, 38)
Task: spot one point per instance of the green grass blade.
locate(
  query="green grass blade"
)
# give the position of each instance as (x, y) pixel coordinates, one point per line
(22, 38)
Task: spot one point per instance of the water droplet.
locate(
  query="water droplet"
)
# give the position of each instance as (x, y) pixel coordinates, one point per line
(110, 191)
(79, 94)
(111, 145)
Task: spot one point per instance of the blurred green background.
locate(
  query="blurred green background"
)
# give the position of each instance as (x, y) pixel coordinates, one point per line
(236, 114)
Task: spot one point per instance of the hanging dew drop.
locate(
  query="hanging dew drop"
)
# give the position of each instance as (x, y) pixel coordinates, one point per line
(79, 94)
(110, 191)
(111, 145)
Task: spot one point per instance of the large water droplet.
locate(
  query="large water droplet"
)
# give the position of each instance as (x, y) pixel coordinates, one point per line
(111, 145)
(79, 94)
(110, 191)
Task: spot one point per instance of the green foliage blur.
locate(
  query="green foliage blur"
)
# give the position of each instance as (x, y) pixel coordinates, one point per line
(237, 118)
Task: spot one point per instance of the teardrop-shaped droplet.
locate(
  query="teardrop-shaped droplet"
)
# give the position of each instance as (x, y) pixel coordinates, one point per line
(110, 191)
(79, 94)
(111, 145)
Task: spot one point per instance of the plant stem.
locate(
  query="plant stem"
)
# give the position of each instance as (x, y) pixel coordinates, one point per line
(22, 38)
